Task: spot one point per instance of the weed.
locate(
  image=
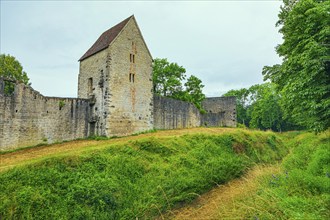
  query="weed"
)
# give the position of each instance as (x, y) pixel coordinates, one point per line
(61, 104)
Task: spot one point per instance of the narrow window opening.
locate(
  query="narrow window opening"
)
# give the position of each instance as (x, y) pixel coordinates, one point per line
(132, 58)
(131, 77)
(90, 86)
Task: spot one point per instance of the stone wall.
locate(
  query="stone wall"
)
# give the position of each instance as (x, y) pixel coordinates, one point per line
(28, 118)
(221, 111)
(171, 114)
(93, 83)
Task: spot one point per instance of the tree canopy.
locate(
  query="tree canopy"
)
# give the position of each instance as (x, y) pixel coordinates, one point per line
(260, 107)
(168, 80)
(11, 69)
(303, 78)
(194, 91)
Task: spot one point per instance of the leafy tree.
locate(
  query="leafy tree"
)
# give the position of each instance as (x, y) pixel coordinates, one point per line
(11, 70)
(168, 78)
(303, 78)
(260, 107)
(194, 91)
(265, 112)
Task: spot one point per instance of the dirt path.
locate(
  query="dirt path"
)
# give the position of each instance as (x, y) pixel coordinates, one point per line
(30, 155)
(219, 202)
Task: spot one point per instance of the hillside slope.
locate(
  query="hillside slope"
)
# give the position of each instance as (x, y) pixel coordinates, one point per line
(127, 178)
(296, 188)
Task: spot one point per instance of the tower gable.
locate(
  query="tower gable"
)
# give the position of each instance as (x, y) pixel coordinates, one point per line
(105, 39)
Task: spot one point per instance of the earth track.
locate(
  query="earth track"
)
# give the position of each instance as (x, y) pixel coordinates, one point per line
(221, 201)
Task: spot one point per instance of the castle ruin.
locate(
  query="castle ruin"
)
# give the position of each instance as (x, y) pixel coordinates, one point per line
(115, 98)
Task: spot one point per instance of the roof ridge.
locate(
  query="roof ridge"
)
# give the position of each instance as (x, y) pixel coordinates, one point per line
(106, 38)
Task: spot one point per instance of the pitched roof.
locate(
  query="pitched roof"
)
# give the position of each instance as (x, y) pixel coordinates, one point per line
(105, 39)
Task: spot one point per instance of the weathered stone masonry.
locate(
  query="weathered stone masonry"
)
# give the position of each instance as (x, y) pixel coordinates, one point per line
(28, 118)
(171, 114)
(115, 98)
(117, 71)
(221, 111)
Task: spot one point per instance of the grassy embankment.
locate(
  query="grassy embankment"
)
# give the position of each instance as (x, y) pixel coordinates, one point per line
(299, 188)
(140, 178)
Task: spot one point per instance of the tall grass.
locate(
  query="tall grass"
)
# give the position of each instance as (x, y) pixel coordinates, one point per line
(138, 179)
(300, 190)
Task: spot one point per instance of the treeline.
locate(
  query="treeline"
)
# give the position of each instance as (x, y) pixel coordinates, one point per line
(303, 78)
(299, 96)
(260, 107)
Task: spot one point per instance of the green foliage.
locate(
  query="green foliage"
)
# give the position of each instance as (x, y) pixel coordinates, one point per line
(194, 91)
(265, 112)
(260, 107)
(137, 179)
(11, 69)
(61, 104)
(299, 190)
(168, 78)
(303, 78)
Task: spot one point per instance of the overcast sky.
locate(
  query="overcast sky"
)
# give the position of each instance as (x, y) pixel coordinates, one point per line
(224, 43)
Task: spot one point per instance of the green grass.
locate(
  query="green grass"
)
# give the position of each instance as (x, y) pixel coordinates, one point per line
(301, 190)
(138, 179)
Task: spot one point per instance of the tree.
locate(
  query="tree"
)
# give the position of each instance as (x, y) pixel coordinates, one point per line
(260, 107)
(303, 78)
(12, 70)
(168, 79)
(265, 111)
(194, 91)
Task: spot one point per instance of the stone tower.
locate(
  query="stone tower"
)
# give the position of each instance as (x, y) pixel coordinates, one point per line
(116, 75)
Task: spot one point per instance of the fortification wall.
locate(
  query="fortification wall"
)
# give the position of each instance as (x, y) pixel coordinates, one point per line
(221, 111)
(171, 114)
(28, 118)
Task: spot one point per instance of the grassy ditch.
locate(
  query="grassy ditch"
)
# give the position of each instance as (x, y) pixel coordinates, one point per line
(299, 189)
(136, 179)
